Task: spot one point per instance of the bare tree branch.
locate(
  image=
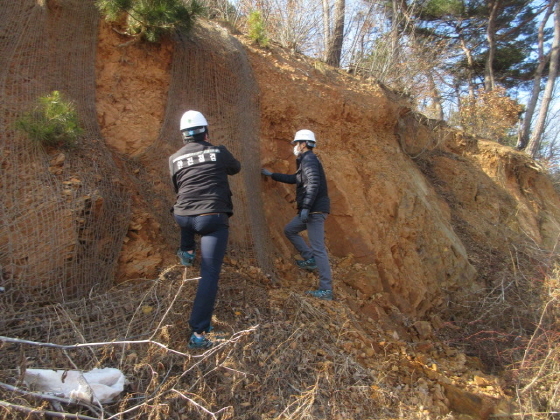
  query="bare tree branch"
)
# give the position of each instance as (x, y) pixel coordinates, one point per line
(75, 346)
(46, 412)
(38, 395)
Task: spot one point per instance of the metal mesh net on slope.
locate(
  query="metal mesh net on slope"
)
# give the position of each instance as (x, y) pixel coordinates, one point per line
(64, 215)
(211, 73)
(63, 220)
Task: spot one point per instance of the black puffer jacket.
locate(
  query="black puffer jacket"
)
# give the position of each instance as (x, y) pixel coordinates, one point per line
(311, 183)
(200, 172)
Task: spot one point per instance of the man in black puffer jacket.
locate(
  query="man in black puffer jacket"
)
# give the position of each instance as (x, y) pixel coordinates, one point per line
(199, 172)
(313, 206)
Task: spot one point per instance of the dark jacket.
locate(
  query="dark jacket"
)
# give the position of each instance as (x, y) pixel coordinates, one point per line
(311, 183)
(199, 172)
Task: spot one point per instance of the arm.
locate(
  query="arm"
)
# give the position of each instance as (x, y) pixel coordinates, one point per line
(285, 178)
(232, 165)
(173, 176)
(171, 166)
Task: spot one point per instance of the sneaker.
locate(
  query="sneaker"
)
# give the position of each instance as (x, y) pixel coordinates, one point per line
(186, 258)
(199, 342)
(321, 294)
(309, 264)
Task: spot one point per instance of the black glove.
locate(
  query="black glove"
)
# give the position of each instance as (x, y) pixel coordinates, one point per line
(266, 172)
(304, 215)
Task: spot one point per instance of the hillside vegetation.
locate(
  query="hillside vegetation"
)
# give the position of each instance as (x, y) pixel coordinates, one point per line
(443, 245)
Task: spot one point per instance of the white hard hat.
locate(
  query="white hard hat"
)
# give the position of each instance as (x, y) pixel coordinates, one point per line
(193, 122)
(306, 136)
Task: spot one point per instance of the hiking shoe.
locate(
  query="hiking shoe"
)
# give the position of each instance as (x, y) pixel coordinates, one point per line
(321, 294)
(309, 264)
(199, 342)
(186, 258)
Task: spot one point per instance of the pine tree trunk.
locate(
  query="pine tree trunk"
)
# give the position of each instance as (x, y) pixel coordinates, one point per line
(535, 142)
(523, 138)
(334, 50)
(470, 70)
(326, 28)
(489, 82)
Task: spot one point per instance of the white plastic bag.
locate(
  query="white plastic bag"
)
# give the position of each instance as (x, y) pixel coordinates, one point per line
(97, 385)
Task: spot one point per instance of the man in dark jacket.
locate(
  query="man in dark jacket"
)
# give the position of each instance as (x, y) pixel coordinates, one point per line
(313, 206)
(199, 172)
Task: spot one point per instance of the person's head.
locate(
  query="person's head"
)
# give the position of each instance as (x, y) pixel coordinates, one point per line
(193, 126)
(303, 140)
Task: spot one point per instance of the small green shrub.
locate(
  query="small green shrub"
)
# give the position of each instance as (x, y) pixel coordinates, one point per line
(151, 19)
(53, 123)
(257, 31)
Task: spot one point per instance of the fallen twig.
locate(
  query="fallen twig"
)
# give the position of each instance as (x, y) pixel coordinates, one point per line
(170, 306)
(46, 412)
(199, 406)
(38, 395)
(75, 346)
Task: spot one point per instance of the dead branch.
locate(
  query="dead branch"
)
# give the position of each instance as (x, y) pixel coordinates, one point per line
(75, 346)
(40, 396)
(201, 407)
(170, 306)
(45, 412)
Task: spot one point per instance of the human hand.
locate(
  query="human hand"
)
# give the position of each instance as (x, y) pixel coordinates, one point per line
(304, 215)
(266, 172)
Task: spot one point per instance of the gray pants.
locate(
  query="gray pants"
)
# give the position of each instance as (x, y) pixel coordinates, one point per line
(316, 232)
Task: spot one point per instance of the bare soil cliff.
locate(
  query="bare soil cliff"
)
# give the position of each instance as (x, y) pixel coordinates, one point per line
(435, 237)
(425, 220)
(416, 206)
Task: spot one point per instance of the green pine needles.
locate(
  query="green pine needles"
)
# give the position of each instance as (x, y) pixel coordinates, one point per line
(53, 123)
(257, 30)
(443, 8)
(151, 19)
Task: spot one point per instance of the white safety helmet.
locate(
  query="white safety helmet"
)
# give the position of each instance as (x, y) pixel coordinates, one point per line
(193, 122)
(307, 136)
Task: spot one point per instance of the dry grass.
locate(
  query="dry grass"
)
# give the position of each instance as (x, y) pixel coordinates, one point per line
(513, 326)
(537, 373)
(278, 355)
(268, 362)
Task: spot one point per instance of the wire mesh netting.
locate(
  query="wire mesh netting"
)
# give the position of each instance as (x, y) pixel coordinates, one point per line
(64, 214)
(211, 73)
(60, 230)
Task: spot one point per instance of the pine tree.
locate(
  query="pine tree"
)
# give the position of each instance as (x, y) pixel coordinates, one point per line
(151, 19)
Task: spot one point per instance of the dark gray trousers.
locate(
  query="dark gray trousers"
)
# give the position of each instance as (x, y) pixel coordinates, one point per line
(315, 227)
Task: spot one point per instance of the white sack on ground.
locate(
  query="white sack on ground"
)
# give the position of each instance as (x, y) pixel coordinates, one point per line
(97, 385)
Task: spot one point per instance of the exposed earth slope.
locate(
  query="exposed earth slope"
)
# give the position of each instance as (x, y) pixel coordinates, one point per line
(432, 233)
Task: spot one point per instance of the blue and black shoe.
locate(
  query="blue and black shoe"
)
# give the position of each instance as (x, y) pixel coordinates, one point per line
(187, 259)
(309, 264)
(199, 342)
(321, 294)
